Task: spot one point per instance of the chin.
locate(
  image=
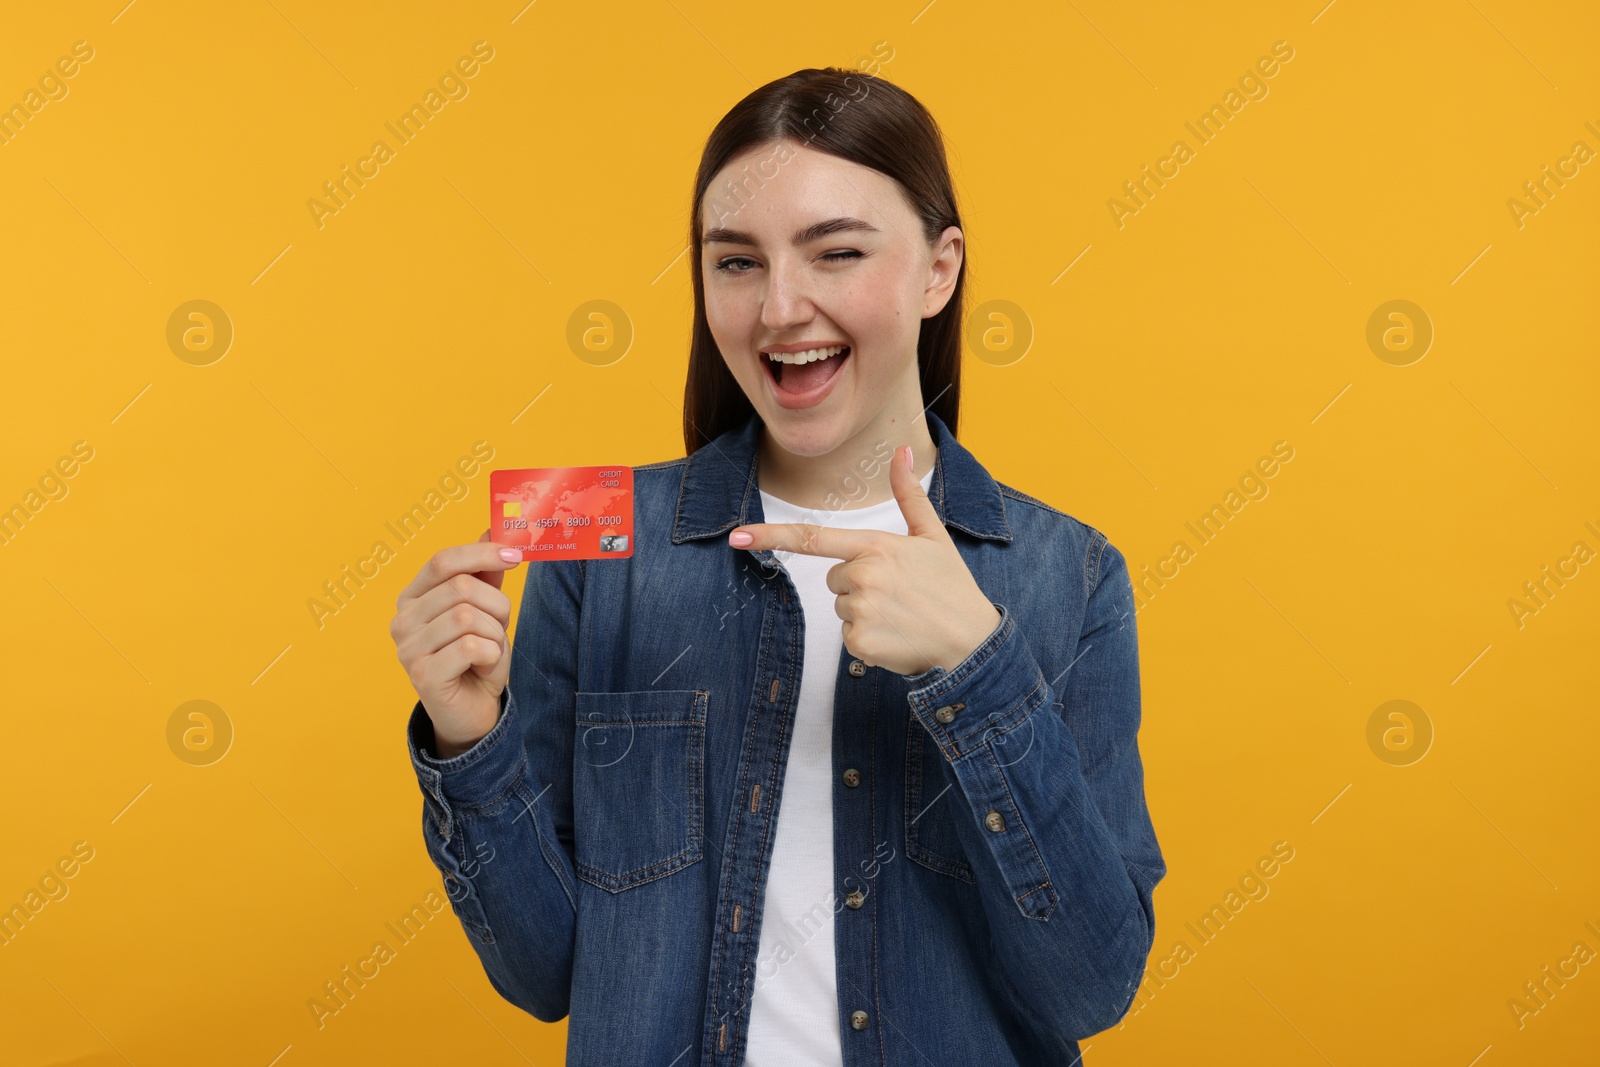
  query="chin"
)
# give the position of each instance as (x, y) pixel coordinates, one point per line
(805, 437)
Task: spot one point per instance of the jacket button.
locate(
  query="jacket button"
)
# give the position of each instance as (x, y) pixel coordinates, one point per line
(855, 899)
(857, 668)
(994, 821)
(858, 1019)
(852, 777)
(947, 713)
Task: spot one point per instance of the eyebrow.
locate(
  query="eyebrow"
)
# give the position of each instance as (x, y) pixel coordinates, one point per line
(810, 233)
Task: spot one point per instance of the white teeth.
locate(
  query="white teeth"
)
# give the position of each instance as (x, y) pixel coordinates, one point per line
(807, 356)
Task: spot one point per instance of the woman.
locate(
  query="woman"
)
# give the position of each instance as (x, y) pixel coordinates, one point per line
(841, 765)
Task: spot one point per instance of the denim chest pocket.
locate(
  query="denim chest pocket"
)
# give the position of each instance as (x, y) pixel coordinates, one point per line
(638, 785)
(933, 804)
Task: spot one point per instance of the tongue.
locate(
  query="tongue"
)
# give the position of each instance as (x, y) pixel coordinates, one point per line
(803, 377)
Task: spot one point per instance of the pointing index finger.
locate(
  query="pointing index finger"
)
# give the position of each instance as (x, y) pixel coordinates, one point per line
(807, 538)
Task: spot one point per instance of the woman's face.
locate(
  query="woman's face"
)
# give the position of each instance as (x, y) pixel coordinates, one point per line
(817, 252)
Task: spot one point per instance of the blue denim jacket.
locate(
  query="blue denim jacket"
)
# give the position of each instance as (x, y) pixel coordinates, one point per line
(606, 845)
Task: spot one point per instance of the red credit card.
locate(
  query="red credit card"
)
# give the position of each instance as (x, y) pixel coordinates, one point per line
(563, 512)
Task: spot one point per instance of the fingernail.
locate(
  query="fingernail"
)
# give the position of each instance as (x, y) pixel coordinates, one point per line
(738, 539)
(511, 555)
(910, 462)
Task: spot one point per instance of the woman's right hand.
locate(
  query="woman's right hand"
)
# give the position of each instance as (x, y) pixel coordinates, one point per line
(449, 631)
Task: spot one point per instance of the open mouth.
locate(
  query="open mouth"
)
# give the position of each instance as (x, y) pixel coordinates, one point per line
(803, 372)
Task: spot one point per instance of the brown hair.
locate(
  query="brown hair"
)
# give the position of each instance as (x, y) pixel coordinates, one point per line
(861, 119)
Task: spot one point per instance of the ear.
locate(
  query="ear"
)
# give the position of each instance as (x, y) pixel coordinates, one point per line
(944, 271)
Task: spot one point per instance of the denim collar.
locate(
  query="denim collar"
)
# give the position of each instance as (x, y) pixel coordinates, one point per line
(718, 491)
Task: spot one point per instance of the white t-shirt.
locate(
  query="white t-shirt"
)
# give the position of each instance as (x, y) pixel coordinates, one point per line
(794, 1016)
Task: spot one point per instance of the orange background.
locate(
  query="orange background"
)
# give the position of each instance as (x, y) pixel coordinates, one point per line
(433, 311)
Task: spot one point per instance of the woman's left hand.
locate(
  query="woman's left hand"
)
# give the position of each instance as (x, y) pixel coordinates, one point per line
(908, 601)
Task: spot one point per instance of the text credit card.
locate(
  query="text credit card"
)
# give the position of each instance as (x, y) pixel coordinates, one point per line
(563, 512)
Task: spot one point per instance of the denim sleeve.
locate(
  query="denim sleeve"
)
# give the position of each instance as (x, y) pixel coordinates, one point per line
(1059, 836)
(497, 818)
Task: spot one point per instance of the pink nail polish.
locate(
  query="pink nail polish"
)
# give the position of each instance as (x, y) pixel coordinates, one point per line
(511, 555)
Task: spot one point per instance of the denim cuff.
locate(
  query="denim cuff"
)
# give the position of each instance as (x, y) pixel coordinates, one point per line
(991, 691)
(477, 775)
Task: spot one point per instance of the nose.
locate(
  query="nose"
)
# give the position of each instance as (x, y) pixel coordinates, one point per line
(786, 304)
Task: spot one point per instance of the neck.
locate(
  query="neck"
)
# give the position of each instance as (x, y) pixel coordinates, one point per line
(854, 475)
